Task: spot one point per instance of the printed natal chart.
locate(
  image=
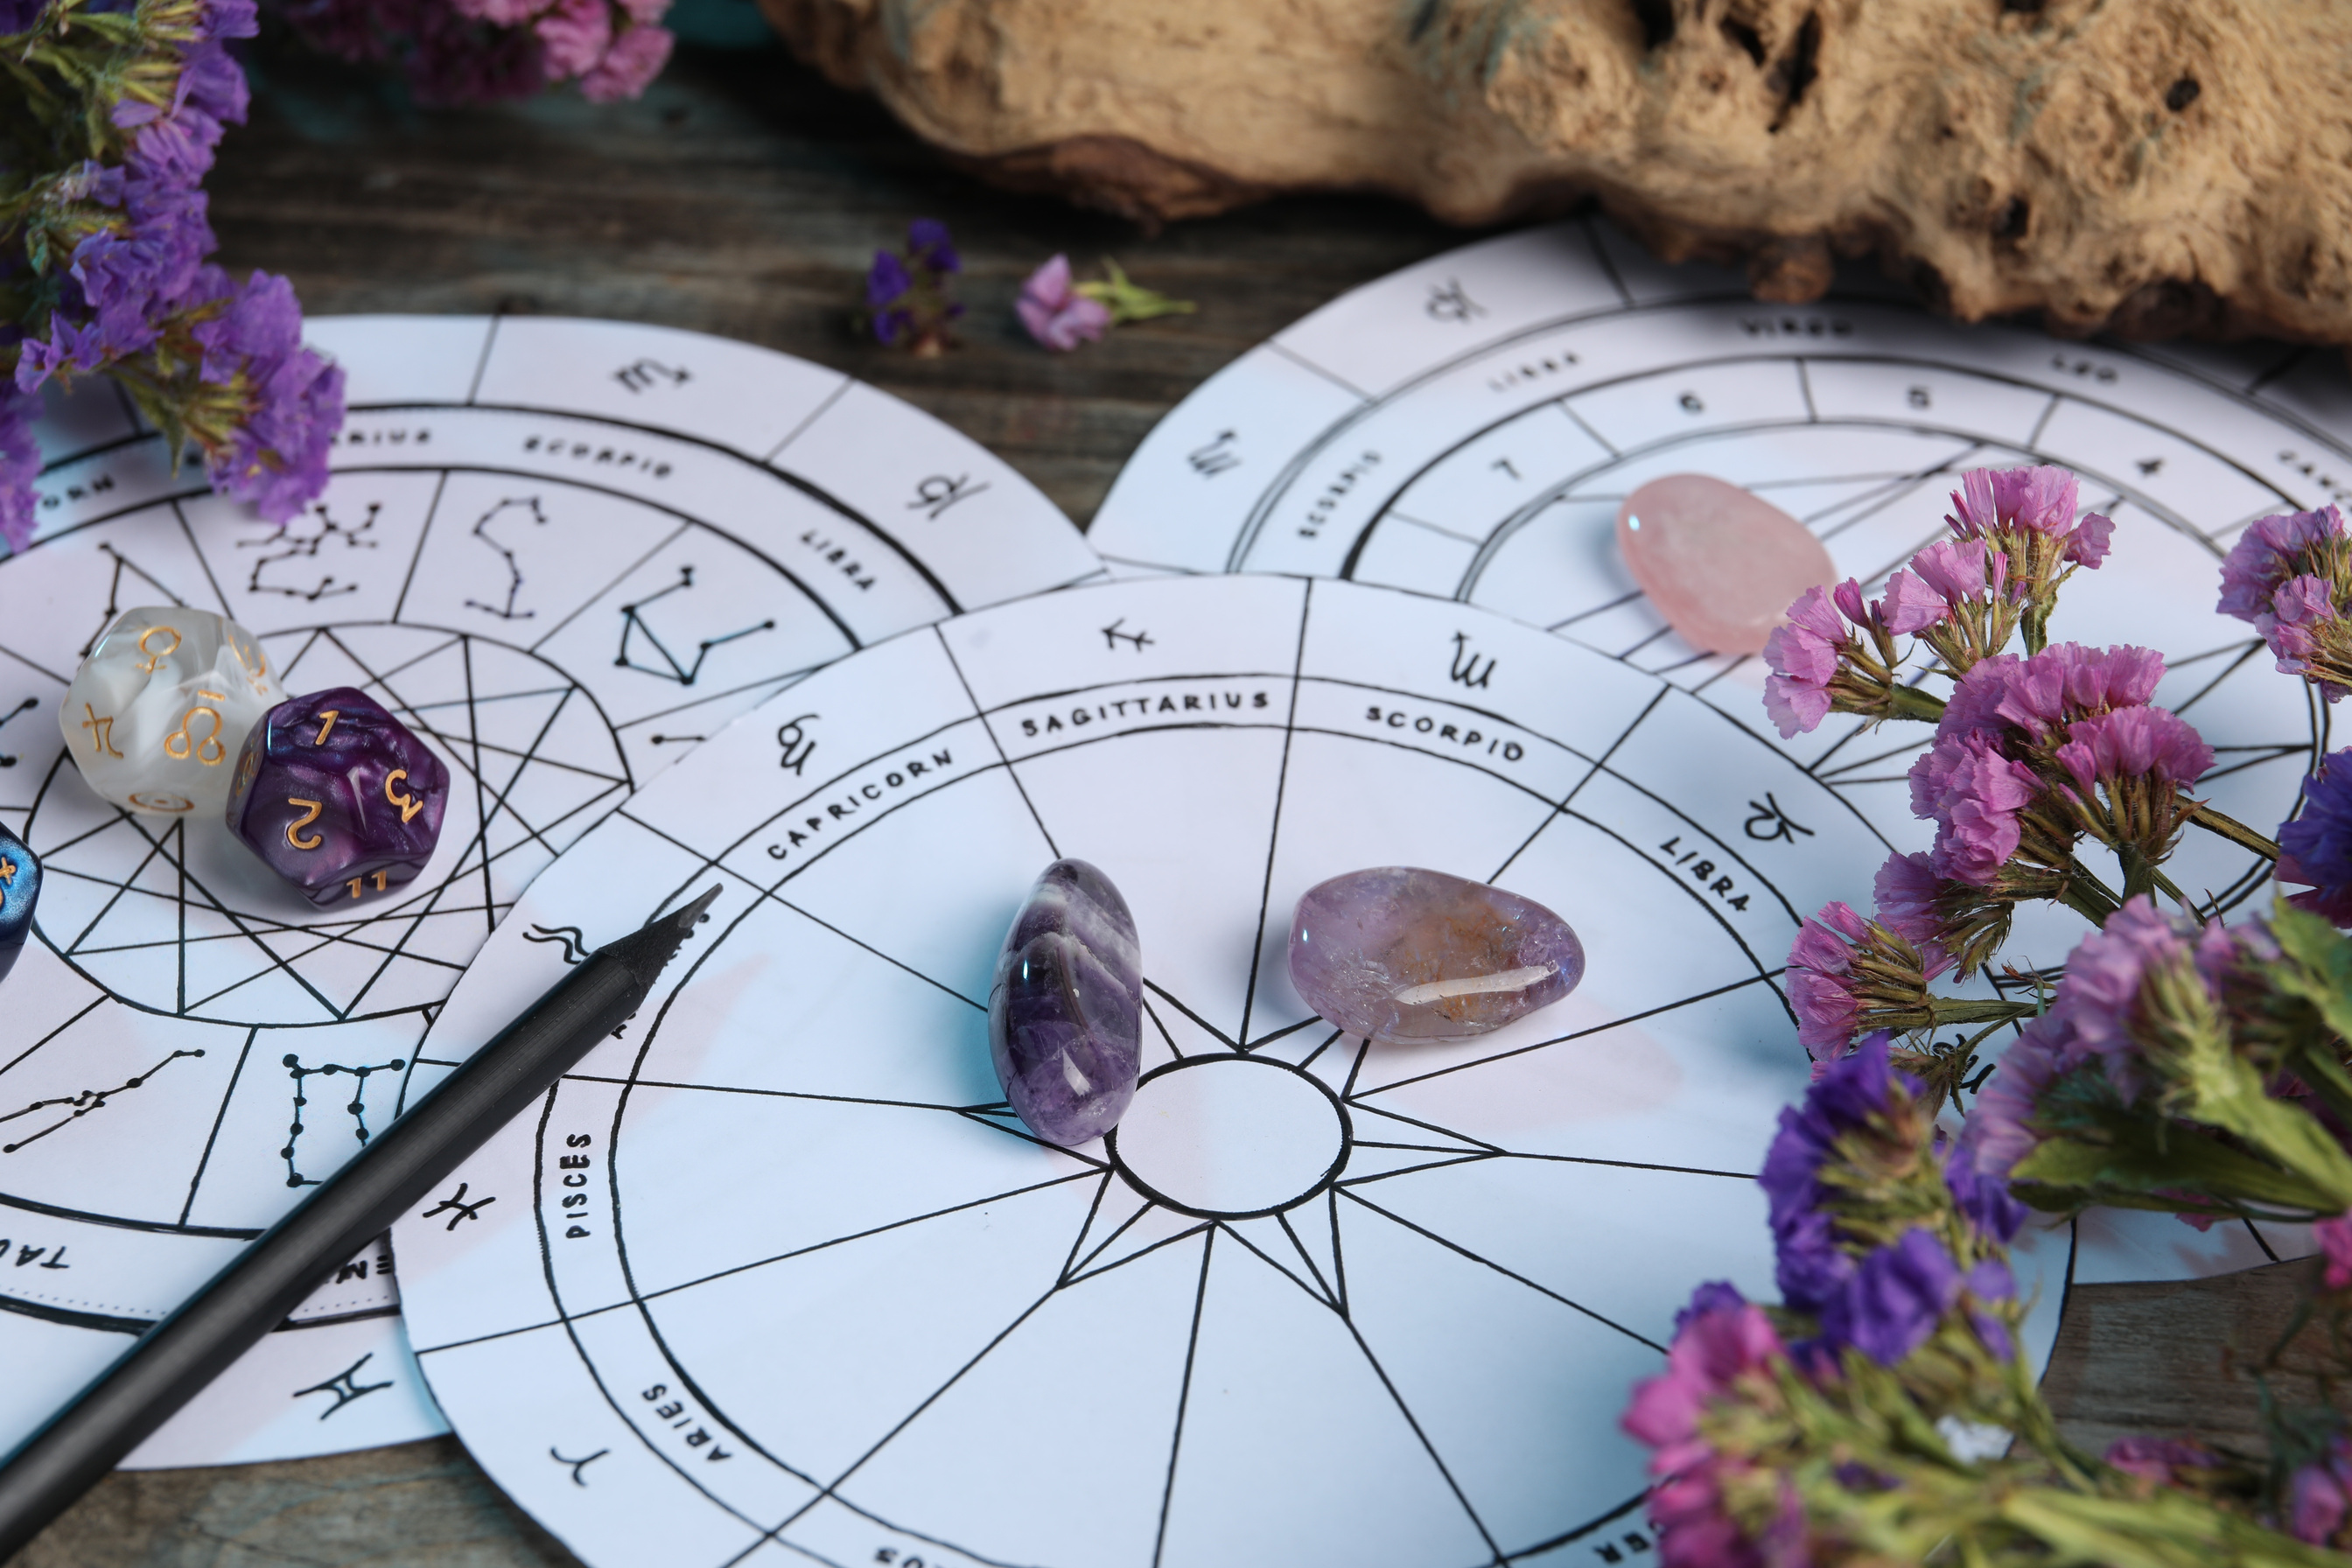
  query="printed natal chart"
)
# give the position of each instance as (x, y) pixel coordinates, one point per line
(779, 1276)
(1469, 426)
(561, 553)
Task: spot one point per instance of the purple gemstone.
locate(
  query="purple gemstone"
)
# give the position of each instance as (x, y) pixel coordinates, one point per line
(1401, 955)
(340, 798)
(1065, 1014)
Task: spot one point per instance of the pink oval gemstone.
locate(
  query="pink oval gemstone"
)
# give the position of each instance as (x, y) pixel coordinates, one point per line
(1720, 565)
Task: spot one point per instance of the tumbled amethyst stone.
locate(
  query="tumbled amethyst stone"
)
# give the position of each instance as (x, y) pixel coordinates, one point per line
(1400, 955)
(1065, 1013)
(338, 797)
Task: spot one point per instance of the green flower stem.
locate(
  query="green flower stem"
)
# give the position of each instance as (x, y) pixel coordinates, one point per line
(2236, 832)
(1910, 703)
(1953, 1010)
(1130, 301)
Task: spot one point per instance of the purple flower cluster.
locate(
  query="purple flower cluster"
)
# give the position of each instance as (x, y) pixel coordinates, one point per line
(2079, 712)
(2287, 576)
(137, 297)
(907, 293)
(1847, 975)
(2014, 502)
(2316, 847)
(2098, 1018)
(2014, 538)
(1884, 1301)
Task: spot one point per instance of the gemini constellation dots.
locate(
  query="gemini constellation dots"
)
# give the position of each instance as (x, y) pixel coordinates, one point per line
(960, 1346)
(498, 496)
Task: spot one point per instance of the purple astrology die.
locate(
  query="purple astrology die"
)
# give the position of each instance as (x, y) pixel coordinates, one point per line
(1065, 1014)
(20, 889)
(340, 798)
(1400, 955)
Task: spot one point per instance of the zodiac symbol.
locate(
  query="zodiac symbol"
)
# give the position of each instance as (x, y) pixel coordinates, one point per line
(579, 1464)
(154, 800)
(156, 656)
(344, 1386)
(456, 1201)
(574, 940)
(101, 732)
(409, 805)
(209, 750)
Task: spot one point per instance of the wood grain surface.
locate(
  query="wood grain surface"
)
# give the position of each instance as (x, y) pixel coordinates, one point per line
(743, 196)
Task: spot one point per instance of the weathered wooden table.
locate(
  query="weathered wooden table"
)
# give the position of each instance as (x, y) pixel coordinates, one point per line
(745, 197)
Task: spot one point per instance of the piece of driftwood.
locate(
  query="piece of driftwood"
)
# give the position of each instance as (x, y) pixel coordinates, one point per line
(2149, 167)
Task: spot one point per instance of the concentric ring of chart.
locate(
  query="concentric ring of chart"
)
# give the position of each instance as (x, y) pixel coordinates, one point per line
(562, 552)
(1469, 426)
(781, 1259)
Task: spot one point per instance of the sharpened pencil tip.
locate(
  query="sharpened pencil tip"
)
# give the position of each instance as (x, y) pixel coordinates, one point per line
(648, 951)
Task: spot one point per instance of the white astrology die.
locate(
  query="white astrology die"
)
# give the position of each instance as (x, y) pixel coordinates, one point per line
(157, 712)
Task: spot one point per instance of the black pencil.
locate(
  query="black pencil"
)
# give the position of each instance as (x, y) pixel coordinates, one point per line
(172, 1362)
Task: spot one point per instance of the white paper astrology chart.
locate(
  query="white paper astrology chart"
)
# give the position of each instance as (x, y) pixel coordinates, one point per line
(562, 552)
(776, 1277)
(1468, 427)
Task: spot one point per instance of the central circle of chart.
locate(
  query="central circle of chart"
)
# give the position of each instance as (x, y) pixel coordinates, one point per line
(1227, 1137)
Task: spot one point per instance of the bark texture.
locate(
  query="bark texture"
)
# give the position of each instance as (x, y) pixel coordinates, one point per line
(2151, 167)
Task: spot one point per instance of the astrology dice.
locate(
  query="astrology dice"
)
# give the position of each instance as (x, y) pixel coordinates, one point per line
(20, 889)
(338, 797)
(156, 713)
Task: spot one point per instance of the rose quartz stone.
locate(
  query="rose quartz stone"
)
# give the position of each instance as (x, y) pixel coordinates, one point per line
(1722, 566)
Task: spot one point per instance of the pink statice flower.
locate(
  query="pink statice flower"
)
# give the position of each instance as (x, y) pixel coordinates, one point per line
(2289, 577)
(500, 13)
(2134, 742)
(1055, 313)
(1911, 605)
(1721, 1341)
(1974, 793)
(574, 35)
(2319, 1496)
(1991, 502)
(1961, 570)
(1906, 889)
(1848, 976)
(2000, 1126)
(2334, 1239)
(2099, 998)
(2159, 1460)
(1804, 653)
(629, 67)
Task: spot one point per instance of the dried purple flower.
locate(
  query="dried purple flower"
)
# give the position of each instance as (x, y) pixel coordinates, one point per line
(2289, 577)
(2316, 847)
(1055, 313)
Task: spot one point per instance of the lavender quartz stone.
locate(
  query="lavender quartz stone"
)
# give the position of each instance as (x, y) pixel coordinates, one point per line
(1065, 1014)
(338, 797)
(1398, 954)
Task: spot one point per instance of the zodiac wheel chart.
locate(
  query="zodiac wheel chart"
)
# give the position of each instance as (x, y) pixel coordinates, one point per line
(1468, 427)
(561, 552)
(778, 1276)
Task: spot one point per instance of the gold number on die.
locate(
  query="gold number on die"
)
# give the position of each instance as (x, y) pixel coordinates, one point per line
(330, 715)
(156, 656)
(362, 877)
(309, 816)
(209, 750)
(409, 805)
